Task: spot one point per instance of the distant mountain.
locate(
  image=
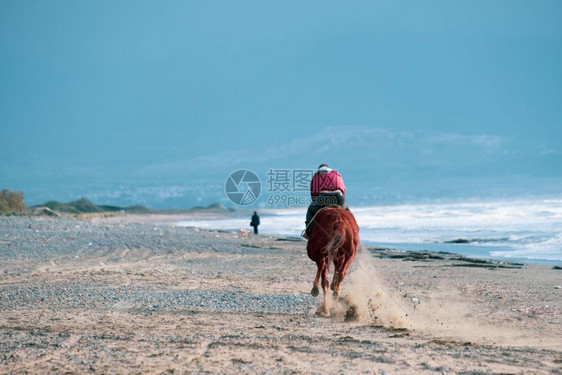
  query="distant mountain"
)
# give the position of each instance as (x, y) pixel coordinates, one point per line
(379, 166)
(83, 205)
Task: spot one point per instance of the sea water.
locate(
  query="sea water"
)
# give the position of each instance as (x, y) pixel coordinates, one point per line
(526, 230)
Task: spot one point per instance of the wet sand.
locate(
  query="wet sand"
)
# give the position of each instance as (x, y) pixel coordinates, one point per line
(135, 294)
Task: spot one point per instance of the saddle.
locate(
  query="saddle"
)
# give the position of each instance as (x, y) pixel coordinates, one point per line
(308, 230)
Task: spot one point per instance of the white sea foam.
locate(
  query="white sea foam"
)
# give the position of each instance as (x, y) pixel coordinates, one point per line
(526, 229)
(549, 249)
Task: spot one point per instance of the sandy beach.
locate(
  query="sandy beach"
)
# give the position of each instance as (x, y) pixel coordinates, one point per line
(135, 294)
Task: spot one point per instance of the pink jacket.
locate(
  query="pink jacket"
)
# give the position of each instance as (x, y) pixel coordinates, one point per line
(325, 180)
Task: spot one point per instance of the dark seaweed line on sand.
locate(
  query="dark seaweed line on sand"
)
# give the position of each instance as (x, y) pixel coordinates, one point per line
(428, 256)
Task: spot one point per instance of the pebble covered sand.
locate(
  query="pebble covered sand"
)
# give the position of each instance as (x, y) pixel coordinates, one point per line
(143, 296)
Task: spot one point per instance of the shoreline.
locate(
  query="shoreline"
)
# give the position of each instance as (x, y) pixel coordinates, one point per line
(415, 248)
(107, 295)
(467, 249)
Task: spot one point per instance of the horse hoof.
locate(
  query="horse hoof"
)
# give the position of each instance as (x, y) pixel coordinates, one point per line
(314, 292)
(322, 314)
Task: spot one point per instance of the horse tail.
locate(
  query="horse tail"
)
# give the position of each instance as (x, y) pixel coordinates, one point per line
(337, 234)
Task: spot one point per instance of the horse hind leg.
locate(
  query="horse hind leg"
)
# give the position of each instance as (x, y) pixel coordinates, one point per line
(321, 277)
(325, 287)
(336, 281)
(336, 276)
(316, 283)
(341, 273)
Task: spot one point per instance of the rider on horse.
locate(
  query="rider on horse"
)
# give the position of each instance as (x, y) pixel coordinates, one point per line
(326, 189)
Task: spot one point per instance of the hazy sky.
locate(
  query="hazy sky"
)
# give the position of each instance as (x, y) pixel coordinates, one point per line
(99, 98)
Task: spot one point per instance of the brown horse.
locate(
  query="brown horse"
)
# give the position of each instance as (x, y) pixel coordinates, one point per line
(334, 238)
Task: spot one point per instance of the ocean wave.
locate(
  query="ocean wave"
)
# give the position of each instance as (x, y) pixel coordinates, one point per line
(521, 229)
(548, 249)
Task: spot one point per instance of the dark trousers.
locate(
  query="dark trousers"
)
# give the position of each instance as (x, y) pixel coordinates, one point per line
(255, 229)
(324, 200)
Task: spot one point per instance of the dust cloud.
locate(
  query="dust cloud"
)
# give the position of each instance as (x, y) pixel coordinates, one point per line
(442, 314)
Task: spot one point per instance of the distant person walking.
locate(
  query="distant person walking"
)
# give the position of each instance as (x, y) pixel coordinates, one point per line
(255, 222)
